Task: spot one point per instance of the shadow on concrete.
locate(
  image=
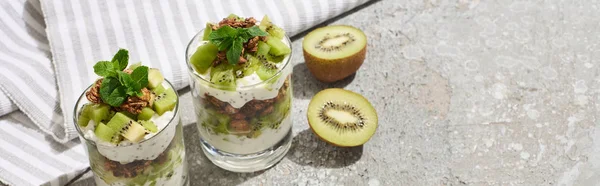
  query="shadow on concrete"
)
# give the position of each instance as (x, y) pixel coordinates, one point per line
(308, 150)
(302, 77)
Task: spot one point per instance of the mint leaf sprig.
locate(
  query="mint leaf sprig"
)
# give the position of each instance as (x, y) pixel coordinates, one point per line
(118, 85)
(233, 39)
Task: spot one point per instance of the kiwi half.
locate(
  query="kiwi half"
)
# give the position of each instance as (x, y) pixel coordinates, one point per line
(334, 52)
(341, 117)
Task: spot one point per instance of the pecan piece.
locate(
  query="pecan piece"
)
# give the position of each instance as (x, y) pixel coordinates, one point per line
(93, 95)
(239, 115)
(134, 104)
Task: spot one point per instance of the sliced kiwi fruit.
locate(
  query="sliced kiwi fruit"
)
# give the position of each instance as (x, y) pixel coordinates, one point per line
(250, 67)
(149, 125)
(155, 78)
(225, 80)
(273, 30)
(119, 122)
(333, 53)
(278, 48)
(263, 49)
(203, 57)
(146, 114)
(134, 132)
(341, 117)
(266, 69)
(207, 31)
(165, 102)
(84, 115)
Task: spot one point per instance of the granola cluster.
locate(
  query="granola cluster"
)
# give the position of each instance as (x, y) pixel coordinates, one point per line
(93, 95)
(240, 117)
(249, 46)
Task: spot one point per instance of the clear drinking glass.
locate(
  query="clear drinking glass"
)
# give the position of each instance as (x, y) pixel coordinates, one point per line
(158, 160)
(246, 129)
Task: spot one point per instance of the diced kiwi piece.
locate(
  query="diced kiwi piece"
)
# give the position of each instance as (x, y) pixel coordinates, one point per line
(158, 90)
(273, 30)
(84, 115)
(278, 48)
(224, 79)
(99, 112)
(203, 57)
(342, 117)
(119, 122)
(165, 102)
(263, 49)
(207, 31)
(149, 125)
(266, 70)
(146, 114)
(250, 67)
(135, 65)
(221, 67)
(135, 132)
(104, 132)
(155, 78)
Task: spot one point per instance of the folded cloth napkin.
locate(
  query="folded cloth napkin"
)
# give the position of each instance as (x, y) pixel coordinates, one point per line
(48, 49)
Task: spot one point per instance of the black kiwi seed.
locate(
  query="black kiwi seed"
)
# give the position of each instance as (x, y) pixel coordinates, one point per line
(338, 125)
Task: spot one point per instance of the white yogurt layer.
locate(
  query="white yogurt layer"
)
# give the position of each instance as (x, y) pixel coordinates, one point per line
(243, 145)
(148, 149)
(241, 96)
(178, 178)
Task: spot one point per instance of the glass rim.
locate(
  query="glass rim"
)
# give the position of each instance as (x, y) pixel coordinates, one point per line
(83, 97)
(245, 87)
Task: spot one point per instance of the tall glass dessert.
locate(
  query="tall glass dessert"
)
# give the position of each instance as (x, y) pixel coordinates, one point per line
(130, 126)
(241, 86)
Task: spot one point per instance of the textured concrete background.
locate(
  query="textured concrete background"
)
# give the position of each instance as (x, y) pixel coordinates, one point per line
(467, 92)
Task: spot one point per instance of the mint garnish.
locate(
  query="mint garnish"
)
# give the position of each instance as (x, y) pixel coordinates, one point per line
(233, 39)
(118, 85)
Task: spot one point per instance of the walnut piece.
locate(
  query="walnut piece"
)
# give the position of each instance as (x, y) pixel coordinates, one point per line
(134, 104)
(93, 95)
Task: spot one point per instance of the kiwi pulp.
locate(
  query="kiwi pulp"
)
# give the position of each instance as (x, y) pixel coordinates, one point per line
(334, 52)
(341, 117)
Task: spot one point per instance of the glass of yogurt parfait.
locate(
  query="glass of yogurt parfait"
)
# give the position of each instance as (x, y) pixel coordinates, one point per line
(134, 135)
(241, 88)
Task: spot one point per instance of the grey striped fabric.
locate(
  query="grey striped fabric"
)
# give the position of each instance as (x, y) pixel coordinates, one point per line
(47, 50)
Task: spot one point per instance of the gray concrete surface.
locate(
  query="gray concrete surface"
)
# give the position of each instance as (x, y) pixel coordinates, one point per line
(468, 92)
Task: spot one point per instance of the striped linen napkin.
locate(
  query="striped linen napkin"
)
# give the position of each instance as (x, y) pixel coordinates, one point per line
(49, 47)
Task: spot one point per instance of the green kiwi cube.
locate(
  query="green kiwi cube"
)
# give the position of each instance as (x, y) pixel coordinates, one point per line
(221, 67)
(99, 112)
(146, 114)
(251, 66)
(158, 90)
(278, 48)
(263, 49)
(204, 56)
(155, 78)
(165, 102)
(233, 16)
(104, 132)
(207, 31)
(84, 115)
(149, 125)
(135, 132)
(119, 121)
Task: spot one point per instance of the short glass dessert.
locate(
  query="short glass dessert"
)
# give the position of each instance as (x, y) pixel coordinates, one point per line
(136, 139)
(241, 87)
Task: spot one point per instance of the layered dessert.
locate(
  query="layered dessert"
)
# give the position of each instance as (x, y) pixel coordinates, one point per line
(241, 85)
(128, 120)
